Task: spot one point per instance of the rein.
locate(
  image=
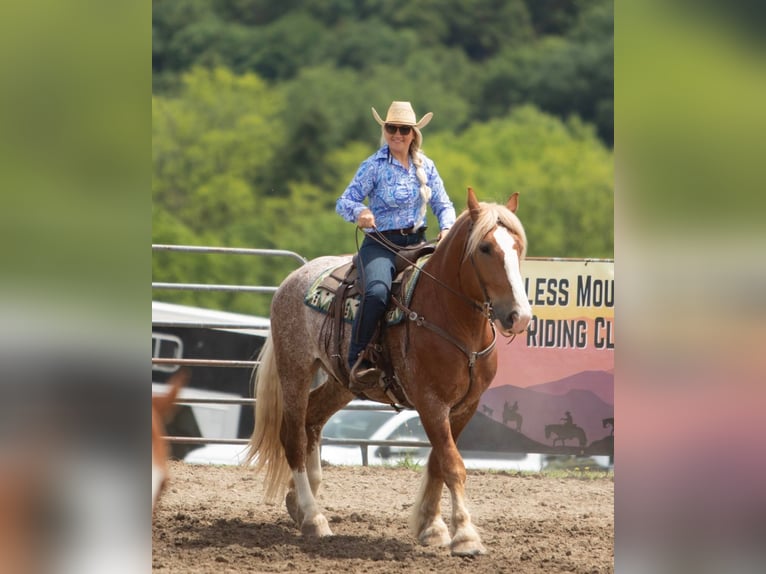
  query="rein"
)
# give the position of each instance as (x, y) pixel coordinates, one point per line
(421, 321)
(485, 309)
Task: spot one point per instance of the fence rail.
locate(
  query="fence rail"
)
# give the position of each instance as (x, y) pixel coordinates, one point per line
(229, 250)
(205, 362)
(363, 444)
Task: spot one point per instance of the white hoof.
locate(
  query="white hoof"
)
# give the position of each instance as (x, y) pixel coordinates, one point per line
(467, 544)
(317, 527)
(293, 508)
(436, 534)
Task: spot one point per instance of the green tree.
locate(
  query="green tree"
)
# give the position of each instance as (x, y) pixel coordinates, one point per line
(553, 16)
(337, 112)
(284, 47)
(168, 18)
(212, 146)
(254, 12)
(480, 27)
(561, 170)
(563, 75)
(363, 44)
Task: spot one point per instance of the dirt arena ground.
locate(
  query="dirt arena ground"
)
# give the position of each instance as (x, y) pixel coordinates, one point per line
(213, 519)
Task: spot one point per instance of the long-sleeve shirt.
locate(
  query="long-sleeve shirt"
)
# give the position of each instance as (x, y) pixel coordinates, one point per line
(393, 193)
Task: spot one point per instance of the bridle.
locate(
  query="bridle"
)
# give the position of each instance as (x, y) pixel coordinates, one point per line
(485, 308)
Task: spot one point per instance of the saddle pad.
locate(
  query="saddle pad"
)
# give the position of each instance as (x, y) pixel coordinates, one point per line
(319, 297)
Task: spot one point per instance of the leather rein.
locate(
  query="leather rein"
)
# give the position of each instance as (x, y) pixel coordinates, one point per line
(484, 308)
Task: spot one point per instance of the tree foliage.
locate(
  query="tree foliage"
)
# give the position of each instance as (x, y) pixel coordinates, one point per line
(261, 116)
(561, 171)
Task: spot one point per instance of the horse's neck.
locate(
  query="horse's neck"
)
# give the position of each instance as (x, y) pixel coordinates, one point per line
(453, 273)
(449, 267)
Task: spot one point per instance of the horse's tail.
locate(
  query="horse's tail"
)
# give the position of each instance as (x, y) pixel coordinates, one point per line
(581, 436)
(547, 431)
(265, 446)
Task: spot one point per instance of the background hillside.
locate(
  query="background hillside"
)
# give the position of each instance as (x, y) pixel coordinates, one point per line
(261, 115)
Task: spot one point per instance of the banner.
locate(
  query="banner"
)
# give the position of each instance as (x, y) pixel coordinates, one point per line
(555, 384)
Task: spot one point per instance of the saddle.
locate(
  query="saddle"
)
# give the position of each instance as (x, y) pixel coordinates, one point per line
(345, 285)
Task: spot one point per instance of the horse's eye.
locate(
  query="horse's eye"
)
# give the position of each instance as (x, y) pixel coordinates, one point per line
(485, 248)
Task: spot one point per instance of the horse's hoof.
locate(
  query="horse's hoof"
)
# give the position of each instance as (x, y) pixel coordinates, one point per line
(317, 527)
(468, 549)
(293, 508)
(435, 535)
(467, 544)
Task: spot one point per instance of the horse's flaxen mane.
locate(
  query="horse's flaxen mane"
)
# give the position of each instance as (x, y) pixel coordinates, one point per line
(492, 214)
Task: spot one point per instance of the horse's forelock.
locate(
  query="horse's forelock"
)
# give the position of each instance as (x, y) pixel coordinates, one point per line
(492, 214)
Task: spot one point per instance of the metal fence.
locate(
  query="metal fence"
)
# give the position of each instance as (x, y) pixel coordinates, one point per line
(170, 362)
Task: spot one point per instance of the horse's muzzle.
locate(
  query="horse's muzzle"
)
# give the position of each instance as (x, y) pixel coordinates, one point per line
(515, 322)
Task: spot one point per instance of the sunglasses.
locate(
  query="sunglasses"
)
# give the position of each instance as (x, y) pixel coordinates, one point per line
(404, 130)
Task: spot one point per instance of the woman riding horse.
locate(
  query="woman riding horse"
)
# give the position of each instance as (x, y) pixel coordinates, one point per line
(398, 180)
(443, 362)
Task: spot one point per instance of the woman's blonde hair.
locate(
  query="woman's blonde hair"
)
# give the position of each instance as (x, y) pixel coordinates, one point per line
(417, 159)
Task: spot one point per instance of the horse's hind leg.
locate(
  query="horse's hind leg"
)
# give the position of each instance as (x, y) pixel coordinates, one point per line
(314, 476)
(300, 500)
(323, 402)
(311, 411)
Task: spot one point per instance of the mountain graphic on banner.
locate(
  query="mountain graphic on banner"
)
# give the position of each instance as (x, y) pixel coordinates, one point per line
(600, 383)
(586, 396)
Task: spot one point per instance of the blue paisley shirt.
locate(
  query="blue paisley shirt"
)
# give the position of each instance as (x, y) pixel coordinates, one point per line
(393, 193)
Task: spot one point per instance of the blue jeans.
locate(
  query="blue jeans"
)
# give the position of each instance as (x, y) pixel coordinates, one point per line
(377, 273)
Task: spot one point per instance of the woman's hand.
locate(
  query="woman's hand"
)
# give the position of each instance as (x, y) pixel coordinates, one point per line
(366, 219)
(442, 234)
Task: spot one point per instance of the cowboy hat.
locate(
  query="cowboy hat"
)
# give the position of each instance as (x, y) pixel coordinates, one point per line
(402, 114)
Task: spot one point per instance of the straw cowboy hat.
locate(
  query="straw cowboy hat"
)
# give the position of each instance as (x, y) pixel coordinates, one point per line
(402, 114)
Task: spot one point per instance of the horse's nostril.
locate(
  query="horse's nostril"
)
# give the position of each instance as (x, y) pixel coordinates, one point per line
(514, 316)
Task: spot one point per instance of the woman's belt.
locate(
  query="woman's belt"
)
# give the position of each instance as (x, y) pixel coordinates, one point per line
(408, 231)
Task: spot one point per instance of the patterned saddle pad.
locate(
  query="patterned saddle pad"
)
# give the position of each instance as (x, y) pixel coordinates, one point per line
(321, 293)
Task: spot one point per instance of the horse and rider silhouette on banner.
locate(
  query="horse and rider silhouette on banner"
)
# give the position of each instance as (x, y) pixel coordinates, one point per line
(565, 431)
(511, 414)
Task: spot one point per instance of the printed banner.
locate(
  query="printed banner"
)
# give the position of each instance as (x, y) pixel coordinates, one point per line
(555, 384)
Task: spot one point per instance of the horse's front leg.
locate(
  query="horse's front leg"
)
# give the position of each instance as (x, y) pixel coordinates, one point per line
(465, 539)
(426, 521)
(445, 461)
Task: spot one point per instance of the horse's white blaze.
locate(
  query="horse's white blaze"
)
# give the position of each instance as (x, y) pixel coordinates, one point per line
(513, 271)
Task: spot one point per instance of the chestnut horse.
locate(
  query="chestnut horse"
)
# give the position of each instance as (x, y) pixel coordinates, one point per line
(162, 409)
(444, 357)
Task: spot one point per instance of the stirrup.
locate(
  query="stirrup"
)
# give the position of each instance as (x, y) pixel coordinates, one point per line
(364, 378)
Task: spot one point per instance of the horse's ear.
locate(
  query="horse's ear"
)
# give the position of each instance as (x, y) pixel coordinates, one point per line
(473, 204)
(513, 202)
